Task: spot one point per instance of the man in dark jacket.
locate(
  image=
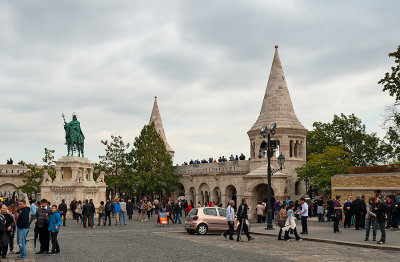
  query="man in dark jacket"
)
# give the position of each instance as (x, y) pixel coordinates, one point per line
(87, 214)
(23, 227)
(382, 209)
(42, 214)
(108, 209)
(63, 209)
(242, 217)
(356, 209)
(6, 220)
(72, 207)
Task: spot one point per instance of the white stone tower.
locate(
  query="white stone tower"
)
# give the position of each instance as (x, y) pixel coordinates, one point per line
(277, 108)
(156, 119)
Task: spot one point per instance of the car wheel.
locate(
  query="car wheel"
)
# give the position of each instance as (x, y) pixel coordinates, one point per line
(202, 229)
(191, 231)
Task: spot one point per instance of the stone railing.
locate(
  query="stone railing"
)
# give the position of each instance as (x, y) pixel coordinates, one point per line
(12, 169)
(228, 167)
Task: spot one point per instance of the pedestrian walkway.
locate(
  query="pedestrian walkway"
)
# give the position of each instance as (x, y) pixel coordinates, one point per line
(30, 252)
(323, 231)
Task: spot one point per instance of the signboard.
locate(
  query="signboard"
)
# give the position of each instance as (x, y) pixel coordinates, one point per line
(273, 143)
(162, 216)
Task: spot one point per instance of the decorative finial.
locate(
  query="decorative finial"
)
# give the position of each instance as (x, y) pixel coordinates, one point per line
(276, 46)
(155, 97)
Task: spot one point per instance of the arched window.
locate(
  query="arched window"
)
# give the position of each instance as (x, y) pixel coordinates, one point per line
(291, 149)
(296, 148)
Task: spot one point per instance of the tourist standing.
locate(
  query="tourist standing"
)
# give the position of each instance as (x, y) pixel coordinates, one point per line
(242, 217)
(117, 211)
(6, 222)
(356, 209)
(54, 228)
(304, 216)
(149, 206)
(177, 212)
(42, 216)
(122, 214)
(230, 218)
(282, 219)
(87, 214)
(277, 209)
(101, 212)
(320, 210)
(108, 209)
(129, 209)
(13, 211)
(329, 209)
(381, 211)
(92, 209)
(23, 227)
(291, 223)
(371, 219)
(260, 211)
(347, 212)
(63, 209)
(78, 212)
(72, 207)
(336, 214)
(33, 212)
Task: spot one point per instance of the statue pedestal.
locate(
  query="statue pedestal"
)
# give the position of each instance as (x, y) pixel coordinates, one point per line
(74, 179)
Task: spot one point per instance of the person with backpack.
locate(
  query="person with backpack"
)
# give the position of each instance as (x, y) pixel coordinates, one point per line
(63, 209)
(242, 217)
(177, 212)
(108, 209)
(101, 212)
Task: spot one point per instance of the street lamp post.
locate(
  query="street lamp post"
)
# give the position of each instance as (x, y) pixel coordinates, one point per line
(269, 149)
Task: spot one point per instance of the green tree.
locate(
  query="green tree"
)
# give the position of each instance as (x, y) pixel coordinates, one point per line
(364, 148)
(391, 83)
(33, 177)
(320, 167)
(152, 164)
(113, 163)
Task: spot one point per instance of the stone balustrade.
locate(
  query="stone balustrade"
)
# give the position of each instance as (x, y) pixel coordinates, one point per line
(228, 167)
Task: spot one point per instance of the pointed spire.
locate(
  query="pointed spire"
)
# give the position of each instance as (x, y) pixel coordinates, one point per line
(277, 106)
(156, 119)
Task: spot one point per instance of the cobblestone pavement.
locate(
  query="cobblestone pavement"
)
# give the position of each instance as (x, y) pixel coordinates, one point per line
(143, 241)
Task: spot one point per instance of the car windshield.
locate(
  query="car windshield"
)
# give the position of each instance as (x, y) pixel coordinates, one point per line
(193, 212)
(210, 211)
(222, 212)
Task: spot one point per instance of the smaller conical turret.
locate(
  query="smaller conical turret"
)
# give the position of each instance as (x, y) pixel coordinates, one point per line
(156, 119)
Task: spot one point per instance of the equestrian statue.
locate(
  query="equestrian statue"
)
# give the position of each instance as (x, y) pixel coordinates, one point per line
(74, 138)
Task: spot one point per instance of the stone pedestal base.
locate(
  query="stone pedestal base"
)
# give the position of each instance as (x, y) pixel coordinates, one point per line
(74, 179)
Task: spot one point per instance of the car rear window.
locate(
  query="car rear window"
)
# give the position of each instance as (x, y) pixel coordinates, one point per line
(193, 212)
(222, 212)
(210, 211)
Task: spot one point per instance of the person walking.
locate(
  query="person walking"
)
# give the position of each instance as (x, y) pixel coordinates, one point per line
(42, 216)
(149, 206)
(242, 217)
(347, 212)
(282, 219)
(108, 209)
(63, 209)
(54, 228)
(177, 212)
(371, 219)
(336, 214)
(78, 212)
(290, 223)
(23, 227)
(117, 211)
(304, 216)
(381, 210)
(101, 213)
(230, 218)
(129, 209)
(122, 214)
(87, 214)
(72, 207)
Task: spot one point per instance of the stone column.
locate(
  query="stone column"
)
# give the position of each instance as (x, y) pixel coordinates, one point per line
(90, 174)
(84, 171)
(58, 174)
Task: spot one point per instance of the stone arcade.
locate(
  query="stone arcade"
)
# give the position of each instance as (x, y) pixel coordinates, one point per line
(221, 182)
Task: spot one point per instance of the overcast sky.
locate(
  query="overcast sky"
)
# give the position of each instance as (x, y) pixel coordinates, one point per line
(207, 61)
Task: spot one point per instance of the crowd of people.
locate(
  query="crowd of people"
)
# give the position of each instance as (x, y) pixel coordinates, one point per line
(212, 160)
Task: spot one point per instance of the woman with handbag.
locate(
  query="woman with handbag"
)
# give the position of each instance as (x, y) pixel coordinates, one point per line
(290, 224)
(282, 219)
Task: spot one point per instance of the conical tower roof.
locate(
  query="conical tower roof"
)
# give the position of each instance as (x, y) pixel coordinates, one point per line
(277, 106)
(156, 119)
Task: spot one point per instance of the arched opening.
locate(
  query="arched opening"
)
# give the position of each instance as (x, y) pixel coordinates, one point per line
(297, 188)
(204, 192)
(192, 195)
(8, 189)
(260, 193)
(296, 148)
(231, 194)
(291, 148)
(180, 189)
(216, 196)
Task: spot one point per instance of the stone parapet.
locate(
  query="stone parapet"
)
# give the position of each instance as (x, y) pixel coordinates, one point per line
(228, 167)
